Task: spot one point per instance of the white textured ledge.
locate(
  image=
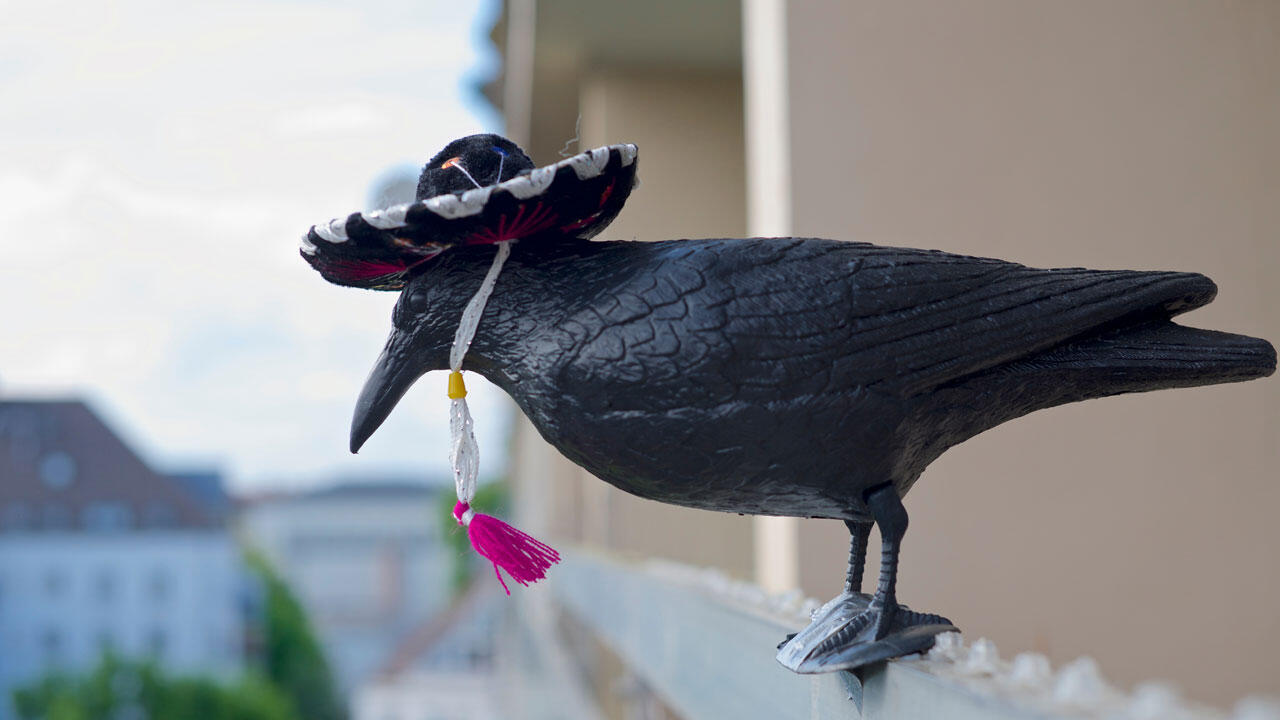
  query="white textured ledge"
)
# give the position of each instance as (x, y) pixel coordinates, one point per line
(705, 642)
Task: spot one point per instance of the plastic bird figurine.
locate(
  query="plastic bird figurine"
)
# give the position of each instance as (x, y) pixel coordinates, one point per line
(774, 376)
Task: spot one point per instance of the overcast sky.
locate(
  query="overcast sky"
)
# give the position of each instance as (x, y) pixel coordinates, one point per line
(158, 163)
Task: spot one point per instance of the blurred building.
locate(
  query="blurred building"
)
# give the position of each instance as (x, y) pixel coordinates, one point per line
(444, 669)
(1133, 135)
(98, 552)
(367, 560)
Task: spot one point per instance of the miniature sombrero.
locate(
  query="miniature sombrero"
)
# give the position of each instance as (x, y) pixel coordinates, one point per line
(381, 250)
(481, 189)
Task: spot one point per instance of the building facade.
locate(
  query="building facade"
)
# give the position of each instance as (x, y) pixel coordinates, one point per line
(366, 560)
(444, 669)
(1053, 134)
(99, 553)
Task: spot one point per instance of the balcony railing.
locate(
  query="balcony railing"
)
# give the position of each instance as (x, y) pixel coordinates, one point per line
(702, 646)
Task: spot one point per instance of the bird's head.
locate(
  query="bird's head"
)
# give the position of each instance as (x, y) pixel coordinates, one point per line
(479, 191)
(427, 313)
(423, 323)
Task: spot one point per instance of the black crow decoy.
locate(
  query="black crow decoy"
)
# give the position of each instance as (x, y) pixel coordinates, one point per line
(778, 376)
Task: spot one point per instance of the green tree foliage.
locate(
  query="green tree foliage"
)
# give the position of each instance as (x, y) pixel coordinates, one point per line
(292, 683)
(118, 689)
(292, 659)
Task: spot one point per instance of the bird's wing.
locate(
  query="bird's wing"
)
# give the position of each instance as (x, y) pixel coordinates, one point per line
(725, 319)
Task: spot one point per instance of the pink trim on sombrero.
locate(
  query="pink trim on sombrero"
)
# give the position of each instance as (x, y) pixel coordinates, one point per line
(540, 218)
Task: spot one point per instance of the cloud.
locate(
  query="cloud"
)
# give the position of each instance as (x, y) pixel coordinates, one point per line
(169, 311)
(329, 120)
(155, 180)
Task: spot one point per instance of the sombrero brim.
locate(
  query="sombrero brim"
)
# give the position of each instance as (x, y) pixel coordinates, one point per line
(380, 250)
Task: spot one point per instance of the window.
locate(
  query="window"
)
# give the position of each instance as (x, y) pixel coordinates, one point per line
(107, 517)
(55, 583)
(157, 643)
(158, 585)
(51, 646)
(104, 587)
(57, 470)
(160, 515)
(16, 516)
(56, 516)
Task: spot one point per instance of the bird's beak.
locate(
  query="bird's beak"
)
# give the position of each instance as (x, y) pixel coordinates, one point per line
(392, 376)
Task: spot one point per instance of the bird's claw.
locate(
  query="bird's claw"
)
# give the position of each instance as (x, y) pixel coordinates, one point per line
(851, 631)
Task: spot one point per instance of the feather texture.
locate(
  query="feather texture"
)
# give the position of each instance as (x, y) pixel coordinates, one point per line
(786, 376)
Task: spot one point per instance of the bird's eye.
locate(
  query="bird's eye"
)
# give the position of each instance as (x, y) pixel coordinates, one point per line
(416, 303)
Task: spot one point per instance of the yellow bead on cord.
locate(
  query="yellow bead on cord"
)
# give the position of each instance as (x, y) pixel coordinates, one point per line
(457, 388)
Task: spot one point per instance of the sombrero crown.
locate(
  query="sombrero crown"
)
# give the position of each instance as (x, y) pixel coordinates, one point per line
(480, 189)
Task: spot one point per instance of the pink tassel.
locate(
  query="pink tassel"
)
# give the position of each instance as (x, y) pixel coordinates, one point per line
(525, 558)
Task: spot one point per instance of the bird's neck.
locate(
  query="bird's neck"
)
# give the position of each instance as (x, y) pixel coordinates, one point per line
(535, 292)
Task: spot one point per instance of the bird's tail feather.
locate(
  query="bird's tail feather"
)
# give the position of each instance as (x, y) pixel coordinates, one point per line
(1151, 355)
(1161, 354)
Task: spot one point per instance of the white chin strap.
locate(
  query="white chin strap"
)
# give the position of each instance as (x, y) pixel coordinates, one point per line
(464, 455)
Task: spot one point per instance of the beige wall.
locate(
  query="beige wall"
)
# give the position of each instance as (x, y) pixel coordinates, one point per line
(688, 127)
(1141, 134)
(1132, 133)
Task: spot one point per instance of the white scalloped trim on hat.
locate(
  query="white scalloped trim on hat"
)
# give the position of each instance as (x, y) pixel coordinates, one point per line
(334, 231)
(387, 218)
(585, 166)
(453, 206)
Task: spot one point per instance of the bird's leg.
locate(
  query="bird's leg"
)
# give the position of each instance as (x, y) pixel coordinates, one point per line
(855, 630)
(858, 534)
(891, 517)
(852, 601)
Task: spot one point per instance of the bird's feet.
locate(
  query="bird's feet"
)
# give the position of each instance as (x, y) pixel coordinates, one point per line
(843, 608)
(853, 630)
